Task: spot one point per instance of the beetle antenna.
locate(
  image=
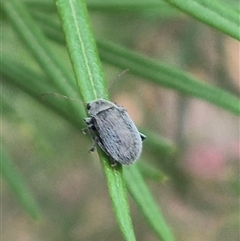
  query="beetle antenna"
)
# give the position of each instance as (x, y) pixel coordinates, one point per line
(116, 78)
(42, 96)
(122, 73)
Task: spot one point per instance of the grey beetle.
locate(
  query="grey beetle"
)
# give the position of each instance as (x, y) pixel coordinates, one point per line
(113, 130)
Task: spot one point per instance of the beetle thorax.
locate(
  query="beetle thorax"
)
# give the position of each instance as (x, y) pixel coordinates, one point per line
(99, 105)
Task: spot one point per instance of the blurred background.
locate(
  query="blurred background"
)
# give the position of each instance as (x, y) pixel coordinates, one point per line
(199, 196)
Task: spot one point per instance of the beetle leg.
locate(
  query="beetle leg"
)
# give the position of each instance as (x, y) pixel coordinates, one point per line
(113, 163)
(90, 124)
(85, 131)
(88, 130)
(93, 148)
(143, 137)
(88, 120)
(96, 140)
(93, 137)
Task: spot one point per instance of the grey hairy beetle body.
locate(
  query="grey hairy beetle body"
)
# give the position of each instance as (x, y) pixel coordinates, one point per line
(113, 130)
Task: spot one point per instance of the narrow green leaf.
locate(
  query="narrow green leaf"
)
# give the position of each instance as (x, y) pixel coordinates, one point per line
(167, 76)
(143, 198)
(37, 43)
(82, 49)
(155, 142)
(133, 5)
(86, 65)
(16, 72)
(111, 5)
(150, 172)
(213, 13)
(33, 37)
(34, 83)
(162, 74)
(18, 186)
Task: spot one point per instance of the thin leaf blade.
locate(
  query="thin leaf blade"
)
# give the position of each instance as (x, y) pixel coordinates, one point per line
(86, 65)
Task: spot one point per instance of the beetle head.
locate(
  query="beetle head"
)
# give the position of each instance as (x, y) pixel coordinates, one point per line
(96, 106)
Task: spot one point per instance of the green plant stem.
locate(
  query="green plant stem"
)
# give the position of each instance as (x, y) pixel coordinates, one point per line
(86, 65)
(212, 13)
(166, 76)
(157, 72)
(141, 195)
(38, 45)
(18, 185)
